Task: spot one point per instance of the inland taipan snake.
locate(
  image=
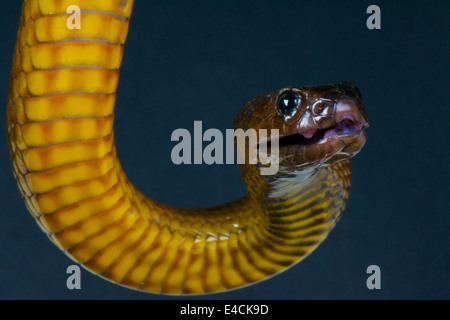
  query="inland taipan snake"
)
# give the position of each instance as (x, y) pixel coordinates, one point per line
(60, 130)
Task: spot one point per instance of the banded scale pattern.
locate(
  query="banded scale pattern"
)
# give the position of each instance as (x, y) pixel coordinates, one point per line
(60, 133)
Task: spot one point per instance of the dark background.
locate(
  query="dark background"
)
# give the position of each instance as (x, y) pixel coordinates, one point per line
(201, 61)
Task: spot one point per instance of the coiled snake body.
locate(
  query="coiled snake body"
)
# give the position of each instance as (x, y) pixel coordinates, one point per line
(59, 123)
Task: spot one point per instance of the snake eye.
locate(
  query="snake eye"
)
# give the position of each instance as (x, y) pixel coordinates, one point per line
(288, 102)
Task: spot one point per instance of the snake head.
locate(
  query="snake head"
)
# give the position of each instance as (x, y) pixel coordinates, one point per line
(317, 125)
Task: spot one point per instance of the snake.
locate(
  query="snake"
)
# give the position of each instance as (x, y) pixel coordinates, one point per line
(60, 115)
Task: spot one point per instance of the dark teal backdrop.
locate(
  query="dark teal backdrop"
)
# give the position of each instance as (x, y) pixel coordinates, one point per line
(201, 60)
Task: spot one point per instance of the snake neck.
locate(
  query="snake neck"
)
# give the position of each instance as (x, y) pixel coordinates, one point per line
(311, 199)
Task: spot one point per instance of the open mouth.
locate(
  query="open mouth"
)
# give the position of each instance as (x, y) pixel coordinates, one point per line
(346, 127)
(299, 139)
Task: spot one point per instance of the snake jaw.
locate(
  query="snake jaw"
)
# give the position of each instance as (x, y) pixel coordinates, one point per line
(341, 139)
(347, 126)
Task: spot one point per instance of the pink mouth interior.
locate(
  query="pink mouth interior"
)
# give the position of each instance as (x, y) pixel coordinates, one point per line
(345, 126)
(349, 124)
(309, 134)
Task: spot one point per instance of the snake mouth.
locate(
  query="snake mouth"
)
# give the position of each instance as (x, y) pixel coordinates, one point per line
(345, 128)
(299, 139)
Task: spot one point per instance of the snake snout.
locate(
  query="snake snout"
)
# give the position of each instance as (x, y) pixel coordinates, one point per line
(348, 114)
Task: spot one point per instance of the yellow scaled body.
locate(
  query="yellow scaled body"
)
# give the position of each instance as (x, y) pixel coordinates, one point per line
(60, 129)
